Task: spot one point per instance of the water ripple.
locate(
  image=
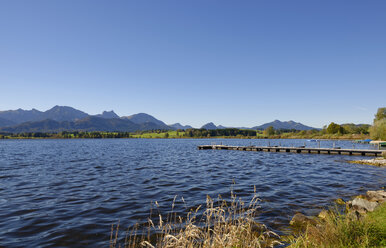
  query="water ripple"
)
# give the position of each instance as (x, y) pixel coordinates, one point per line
(67, 193)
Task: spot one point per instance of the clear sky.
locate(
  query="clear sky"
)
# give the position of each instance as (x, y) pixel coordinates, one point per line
(236, 63)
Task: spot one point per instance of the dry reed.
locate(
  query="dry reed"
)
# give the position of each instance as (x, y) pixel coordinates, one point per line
(221, 224)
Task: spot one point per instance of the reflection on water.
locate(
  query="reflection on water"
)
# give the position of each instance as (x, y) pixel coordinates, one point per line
(67, 193)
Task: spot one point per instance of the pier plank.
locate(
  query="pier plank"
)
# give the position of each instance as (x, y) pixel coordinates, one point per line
(332, 151)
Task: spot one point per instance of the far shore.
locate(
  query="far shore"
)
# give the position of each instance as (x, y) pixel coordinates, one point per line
(157, 136)
(214, 138)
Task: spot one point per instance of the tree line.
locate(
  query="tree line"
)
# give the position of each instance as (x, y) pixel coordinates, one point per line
(68, 135)
(202, 133)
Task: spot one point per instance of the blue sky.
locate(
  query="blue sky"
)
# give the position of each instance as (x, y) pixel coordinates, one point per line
(236, 63)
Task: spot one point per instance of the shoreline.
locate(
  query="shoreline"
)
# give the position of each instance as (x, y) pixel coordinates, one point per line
(380, 162)
(219, 137)
(362, 224)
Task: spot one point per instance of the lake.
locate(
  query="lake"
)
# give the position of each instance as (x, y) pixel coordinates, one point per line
(67, 193)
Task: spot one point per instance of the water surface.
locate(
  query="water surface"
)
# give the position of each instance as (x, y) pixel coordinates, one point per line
(67, 193)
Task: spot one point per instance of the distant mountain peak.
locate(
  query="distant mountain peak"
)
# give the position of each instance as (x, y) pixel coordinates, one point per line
(277, 124)
(179, 126)
(108, 115)
(64, 113)
(62, 107)
(142, 118)
(209, 126)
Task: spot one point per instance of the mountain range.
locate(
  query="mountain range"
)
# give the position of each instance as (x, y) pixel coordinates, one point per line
(64, 118)
(276, 124)
(142, 118)
(179, 126)
(288, 125)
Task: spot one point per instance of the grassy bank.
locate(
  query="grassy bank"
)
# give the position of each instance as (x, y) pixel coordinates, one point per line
(337, 230)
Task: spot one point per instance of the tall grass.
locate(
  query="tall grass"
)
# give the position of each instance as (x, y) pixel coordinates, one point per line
(345, 230)
(221, 224)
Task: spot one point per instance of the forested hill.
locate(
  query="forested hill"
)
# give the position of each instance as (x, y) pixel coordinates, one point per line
(90, 123)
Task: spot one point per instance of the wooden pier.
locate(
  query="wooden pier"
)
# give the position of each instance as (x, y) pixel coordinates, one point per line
(311, 150)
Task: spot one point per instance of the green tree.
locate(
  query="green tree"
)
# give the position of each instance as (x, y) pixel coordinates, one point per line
(269, 131)
(380, 115)
(378, 130)
(334, 128)
(189, 133)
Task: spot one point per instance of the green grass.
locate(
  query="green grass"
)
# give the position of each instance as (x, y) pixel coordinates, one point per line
(342, 231)
(169, 134)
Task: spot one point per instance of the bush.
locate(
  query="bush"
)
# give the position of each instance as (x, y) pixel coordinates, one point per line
(378, 130)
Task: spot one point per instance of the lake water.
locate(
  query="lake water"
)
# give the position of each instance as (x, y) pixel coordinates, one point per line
(67, 193)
